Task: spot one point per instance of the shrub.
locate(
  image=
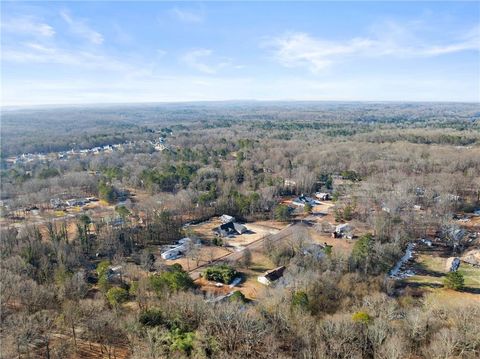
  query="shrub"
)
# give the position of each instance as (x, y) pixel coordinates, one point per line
(308, 208)
(117, 296)
(103, 284)
(175, 279)
(361, 317)
(281, 255)
(238, 296)
(328, 250)
(247, 257)
(348, 213)
(176, 267)
(133, 288)
(122, 211)
(106, 192)
(362, 248)
(218, 241)
(85, 220)
(282, 213)
(300, 299)
(181, 341)
(102, 268)
(151, 317)
(350, 175)
(220, 273)
(48, 173)
(454, 280)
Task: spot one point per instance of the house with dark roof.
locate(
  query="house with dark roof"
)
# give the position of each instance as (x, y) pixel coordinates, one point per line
(230, 228)
(302, 200)
(271, 276)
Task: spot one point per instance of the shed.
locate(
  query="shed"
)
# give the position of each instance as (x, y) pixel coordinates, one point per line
(323, 196)
(343, 228)
(271, 276)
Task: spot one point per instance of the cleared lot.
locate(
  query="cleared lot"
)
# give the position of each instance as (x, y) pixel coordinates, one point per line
(231, 248)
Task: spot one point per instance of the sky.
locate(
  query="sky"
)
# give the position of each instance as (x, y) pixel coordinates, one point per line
(129, 52)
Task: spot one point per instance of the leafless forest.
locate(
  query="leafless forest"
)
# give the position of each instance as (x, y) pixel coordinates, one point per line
(85, 280)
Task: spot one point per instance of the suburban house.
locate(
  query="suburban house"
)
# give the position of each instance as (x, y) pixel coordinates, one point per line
(302, 200)
(178, 250)
(343, 230)
(76, 202)
(230, 228)
(174, 252)
(186, 240)
(323, 196)
(240, 228)
(271, 276)
(225, 218)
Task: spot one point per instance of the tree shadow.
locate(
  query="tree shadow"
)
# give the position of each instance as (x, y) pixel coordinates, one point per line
(422, 285)
(470, 290)
(258, 268)
(418, 285)
(421, 269)
(318, 214)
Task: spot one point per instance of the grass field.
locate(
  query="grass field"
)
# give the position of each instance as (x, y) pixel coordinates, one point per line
(431, 270)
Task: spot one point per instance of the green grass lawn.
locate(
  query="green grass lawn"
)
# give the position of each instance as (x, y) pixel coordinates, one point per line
(471, 275)
(437, 266)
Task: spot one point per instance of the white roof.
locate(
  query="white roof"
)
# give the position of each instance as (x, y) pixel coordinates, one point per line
(343, 227)
(184, 240)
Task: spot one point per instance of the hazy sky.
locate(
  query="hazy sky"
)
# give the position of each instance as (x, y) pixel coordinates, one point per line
(88, 52)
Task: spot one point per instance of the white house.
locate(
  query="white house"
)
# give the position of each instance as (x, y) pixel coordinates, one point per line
(225, 218)
(173, 252)
(302, 200)
(343, 228)
(184, 240)
(323, 196)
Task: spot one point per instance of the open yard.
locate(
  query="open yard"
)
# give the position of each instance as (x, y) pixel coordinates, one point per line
(249, 286)
(430, 269)
(209, 252)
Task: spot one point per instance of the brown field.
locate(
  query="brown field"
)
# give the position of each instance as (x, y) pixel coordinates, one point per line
(250, 287)
(340, 245)
(40, 218)
(207, 254)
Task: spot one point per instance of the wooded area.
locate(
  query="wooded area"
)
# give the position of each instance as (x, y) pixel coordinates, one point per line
(400, 172)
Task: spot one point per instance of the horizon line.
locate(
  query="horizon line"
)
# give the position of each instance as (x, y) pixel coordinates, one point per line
(179, 102)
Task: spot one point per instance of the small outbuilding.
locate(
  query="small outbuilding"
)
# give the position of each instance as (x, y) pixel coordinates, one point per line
(343, 230)
(271, 276)
(323, 196)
